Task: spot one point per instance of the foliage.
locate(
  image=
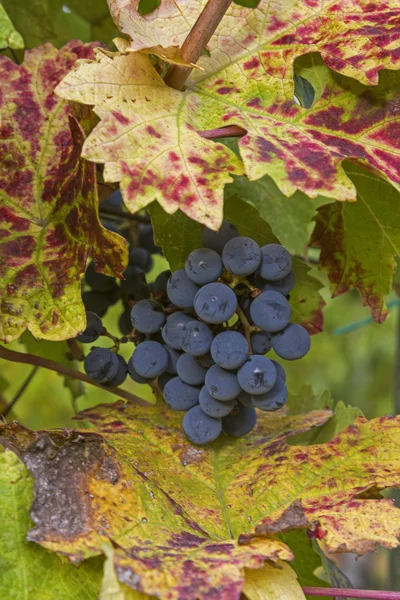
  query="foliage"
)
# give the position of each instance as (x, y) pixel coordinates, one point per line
(310, 90)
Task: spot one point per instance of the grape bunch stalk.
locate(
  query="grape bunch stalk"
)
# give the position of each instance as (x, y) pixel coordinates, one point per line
(203, 332)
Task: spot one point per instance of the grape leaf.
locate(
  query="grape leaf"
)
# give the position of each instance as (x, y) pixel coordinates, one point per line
(305, 299)
(272, 582)
(173, 513)
(27, 570)
(9, 37)
(359, 242)
(182, 519)
(357, 38)
(149, 134)
(49, 201)
(146, 139)
(289, 218)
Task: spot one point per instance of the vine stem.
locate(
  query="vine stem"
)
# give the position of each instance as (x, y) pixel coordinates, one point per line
(19, 393)
(38, 361)
(248, 329)
(197, 39)
(351, 593)
(111, 212)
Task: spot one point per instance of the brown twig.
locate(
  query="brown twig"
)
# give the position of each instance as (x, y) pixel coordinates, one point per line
(19, 393)
(32, 359)
(351, 593)
(196, 41)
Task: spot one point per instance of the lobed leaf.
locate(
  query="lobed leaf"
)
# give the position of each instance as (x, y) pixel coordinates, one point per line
(49, 221)
(184, 520)
(359, 242)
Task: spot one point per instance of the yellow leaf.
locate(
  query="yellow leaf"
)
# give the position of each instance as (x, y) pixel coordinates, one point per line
(272, 582)
(111, 587)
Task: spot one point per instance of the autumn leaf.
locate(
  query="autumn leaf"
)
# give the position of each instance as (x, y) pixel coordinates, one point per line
(357, 39)
(27, 570)
(359, 242)
(272, 582)
(185, 520)
(49, 201)
(9, 37)
(154, 139)
(146, 139)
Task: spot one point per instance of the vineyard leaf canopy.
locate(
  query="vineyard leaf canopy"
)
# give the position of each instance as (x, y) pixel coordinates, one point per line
(359, 242)
(9, 37)
(148, 135)
(175, 499)
(49, 221)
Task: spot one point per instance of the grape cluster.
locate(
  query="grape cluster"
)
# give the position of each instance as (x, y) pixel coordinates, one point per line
(202, 334)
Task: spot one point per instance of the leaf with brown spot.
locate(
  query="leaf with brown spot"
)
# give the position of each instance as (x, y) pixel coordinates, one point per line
(173, 512)
(359, 242)
(49, 221)
(186, 520)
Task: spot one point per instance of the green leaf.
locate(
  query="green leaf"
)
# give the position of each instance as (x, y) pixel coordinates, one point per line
(306, 560)
(27, 570)
(360, 241)
(336, 577)
(176, 234)
(9, 36)
(289, 218)
(305, 299)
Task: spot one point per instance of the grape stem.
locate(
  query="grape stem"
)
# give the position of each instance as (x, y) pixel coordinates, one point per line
(248, 329)
(110, 212)
(352, 593)
(19, 393)
(38, 361)
(196, 40)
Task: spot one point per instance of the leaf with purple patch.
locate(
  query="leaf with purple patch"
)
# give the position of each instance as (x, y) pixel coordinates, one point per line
(49, 220)
(360, 241)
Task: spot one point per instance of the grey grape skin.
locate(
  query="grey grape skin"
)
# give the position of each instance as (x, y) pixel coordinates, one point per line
(173, 357)
(283, 286)
(261, 342)
(229, 349)
(241, 256)
(215, 303)
(274, 399)
(199, 427)
(196, 338)
(101, 365)
(121, 374)
(179, 395)
(181, 290)
(171, 332)
(257, 375)
(93, 329)
(216, 240)
(190, 370)
(292, 343)
(270, 311)
(203, 266)
(276, 262)
(222, 385)
(240, 423)
(147, 316)
(212, 407)
(150, 359)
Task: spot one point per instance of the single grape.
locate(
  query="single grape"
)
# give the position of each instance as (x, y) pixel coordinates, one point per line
(270, 311)
(147, 316)
(141, 258)
(163, 380)
(97, 281)
(173, 357)
(150, 359)
(181, 290)
(245, 303)
(230, 349)
(276, 262)
(257, 375)
(172, 330)
(179, 395)
(292, 343)
(199, 427)
(121, 374)
(113, 202)
(245, 399)
(261, 342)
(124, 322)
(214, 408)
(190, 370)
(160, 284)
(222, 385)
(215, 303)
(280, 371)
(216, 240)
(93, 330)
(203, 266)
(96, 302)
(146, 239)
(283, 286)
(101, 365)
(134, 375)
(241, 256)
(240, 422)
(274, 399)
(196, 338)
